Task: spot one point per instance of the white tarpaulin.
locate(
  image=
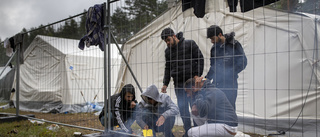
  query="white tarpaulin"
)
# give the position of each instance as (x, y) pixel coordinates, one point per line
(281, 78)
(57, 76)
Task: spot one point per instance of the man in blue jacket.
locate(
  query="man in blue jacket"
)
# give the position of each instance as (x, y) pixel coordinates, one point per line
(226, 61)
(212, 105)
(184, 60)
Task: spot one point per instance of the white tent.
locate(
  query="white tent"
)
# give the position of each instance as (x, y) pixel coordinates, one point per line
(283, 71)
(58, 76)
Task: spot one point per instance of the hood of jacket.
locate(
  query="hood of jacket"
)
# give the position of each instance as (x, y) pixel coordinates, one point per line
(230, 38)
(151, 92)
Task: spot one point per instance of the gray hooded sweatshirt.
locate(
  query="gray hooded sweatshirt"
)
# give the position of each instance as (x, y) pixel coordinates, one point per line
(164, 107)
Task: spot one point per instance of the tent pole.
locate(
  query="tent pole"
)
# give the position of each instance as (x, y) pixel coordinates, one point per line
(125, 60)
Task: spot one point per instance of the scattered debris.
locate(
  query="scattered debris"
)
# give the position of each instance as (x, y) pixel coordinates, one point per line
(77, 134)
(53, 127)
(36, 121)
(6, 106)
(14, 131)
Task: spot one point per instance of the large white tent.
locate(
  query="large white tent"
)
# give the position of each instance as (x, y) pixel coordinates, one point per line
(279, 88)
(57, 76)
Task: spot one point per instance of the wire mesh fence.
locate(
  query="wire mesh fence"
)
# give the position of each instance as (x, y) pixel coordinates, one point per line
(260, 67)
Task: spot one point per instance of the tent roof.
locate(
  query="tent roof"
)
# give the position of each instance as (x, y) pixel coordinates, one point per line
(72, 49)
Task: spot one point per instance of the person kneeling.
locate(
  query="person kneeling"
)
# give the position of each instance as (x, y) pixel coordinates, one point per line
(157, 112)
(123, 107)
(211, 104)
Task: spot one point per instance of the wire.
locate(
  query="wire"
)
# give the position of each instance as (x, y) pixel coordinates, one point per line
(282, 132)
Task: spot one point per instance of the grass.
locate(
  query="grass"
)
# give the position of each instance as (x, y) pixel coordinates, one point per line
(27, 129)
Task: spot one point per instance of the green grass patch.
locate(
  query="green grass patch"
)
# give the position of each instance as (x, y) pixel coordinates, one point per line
(27, 129)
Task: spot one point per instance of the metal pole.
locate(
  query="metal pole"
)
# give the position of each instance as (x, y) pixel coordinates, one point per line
(109, 67)
(105, 63)
(17, 78)
(125, 60)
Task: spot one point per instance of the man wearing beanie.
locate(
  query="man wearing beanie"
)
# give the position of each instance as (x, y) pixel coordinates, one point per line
(184, 60)
(226, 61)
(212, 105)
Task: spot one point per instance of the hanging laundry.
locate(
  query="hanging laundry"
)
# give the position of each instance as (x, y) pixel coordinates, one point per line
(247, 5)
(18, 42)
(7, 46)
(199, 7)
(94, 28)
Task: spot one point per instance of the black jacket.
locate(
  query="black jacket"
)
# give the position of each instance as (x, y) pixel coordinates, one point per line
(183, 61)
(199, 7)
(120, 108)
(247, 5)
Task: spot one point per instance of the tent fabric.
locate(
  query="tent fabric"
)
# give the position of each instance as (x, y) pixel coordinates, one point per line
(58, 77)
(6, 80)
(282, 75)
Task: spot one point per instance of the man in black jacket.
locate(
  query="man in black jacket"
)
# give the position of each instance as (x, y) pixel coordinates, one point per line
(184, 60)
(123, 107)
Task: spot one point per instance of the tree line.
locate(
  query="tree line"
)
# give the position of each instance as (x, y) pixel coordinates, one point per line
(126, 21)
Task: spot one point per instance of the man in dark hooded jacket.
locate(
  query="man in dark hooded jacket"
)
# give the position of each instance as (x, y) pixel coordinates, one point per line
(212, 105)
(123, 107)
(184, 60)
(227, 60)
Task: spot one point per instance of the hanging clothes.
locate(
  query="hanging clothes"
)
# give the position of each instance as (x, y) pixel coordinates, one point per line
(199, 7)
(8, 47)
(18, 42)
(247, 5)
(94, 28)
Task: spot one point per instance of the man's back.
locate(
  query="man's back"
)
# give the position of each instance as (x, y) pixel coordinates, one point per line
(220, 109)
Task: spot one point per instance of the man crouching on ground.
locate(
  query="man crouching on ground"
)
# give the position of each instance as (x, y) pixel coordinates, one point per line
(211, 104)
(157, 112)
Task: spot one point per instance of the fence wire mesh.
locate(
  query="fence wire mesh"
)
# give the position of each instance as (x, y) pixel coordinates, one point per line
(260, 80)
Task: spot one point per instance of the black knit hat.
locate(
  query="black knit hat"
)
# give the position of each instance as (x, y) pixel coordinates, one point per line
(214, 30)
(166, 32)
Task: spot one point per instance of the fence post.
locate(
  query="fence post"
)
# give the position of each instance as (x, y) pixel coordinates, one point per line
(18, 79)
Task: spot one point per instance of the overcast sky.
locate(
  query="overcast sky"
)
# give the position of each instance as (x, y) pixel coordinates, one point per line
(18, 14)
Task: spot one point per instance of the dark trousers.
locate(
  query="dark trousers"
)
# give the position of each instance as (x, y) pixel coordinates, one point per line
(150, 119)
(183, 104)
